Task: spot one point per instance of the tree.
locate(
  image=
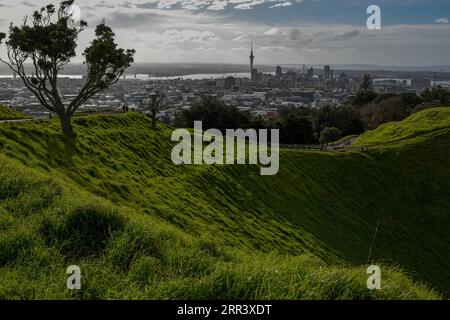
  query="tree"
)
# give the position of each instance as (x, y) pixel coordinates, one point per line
(329, 134)
(214, 114)
(366, 84)
(345, 118)
(386, 108)
(365, 93)
(49, 42)
(295, 129)
(363, 97)
(156, 101)
(438, 95)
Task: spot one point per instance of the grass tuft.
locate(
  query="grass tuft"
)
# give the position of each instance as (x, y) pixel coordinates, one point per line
(84, 231)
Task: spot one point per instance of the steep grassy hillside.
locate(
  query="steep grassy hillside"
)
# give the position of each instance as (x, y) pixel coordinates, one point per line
(115, 204)
(419, 125)
(7, 113)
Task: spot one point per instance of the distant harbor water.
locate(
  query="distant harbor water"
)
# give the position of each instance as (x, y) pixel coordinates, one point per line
(190, 76)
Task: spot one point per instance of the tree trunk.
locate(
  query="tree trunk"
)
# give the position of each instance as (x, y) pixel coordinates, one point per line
(67, 126)
(153, 119)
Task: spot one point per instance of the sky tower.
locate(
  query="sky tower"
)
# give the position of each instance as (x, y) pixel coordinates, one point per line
(252, 58)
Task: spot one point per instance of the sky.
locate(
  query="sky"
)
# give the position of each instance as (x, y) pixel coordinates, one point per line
(413, 33)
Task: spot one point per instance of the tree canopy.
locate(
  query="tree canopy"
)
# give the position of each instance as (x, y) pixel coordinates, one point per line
(214, 114)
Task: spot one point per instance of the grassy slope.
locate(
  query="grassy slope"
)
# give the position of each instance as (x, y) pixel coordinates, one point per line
(204, 230)
(419, 125)
(8, 114)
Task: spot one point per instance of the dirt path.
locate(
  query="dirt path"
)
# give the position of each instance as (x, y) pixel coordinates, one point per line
(346, 143)
(344, 146)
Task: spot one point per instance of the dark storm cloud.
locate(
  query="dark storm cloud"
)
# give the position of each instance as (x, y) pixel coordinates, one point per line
(345, 36)
(148, 5)
(135, 20)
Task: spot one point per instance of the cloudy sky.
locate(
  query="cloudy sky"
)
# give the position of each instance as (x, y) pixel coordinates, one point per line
(414, 32)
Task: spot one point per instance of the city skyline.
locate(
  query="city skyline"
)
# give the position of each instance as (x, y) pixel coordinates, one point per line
(283, 32)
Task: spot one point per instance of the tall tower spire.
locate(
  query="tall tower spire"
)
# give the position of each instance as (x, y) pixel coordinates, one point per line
(252, 58)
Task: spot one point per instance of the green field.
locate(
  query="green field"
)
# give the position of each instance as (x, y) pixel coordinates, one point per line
(7, 113)
(142, 228)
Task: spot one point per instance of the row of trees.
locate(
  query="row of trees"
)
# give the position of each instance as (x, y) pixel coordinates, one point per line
(296, 125)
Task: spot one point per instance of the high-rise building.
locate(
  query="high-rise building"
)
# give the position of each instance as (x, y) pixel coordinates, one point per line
(310, 73)
(229, 82)
(254, 74)
(279, 71)
(326, 72)
(421, 83)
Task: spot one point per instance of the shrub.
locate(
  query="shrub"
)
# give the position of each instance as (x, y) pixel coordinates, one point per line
(329, 135)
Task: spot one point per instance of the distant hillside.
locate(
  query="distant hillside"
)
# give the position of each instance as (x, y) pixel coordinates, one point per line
(142, 227)
(7, 113)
